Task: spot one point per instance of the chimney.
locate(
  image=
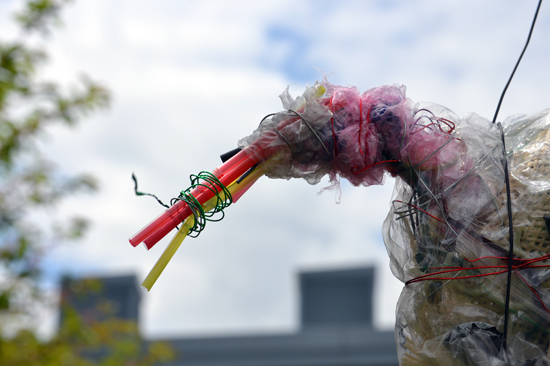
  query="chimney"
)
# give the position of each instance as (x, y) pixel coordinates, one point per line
(97, 299)
(337, 297)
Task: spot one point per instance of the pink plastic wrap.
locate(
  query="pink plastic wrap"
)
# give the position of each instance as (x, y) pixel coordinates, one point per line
(352, 132)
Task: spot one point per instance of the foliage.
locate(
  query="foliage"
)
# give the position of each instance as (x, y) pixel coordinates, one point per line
(85, 340)
(108, 343)
(30, 184)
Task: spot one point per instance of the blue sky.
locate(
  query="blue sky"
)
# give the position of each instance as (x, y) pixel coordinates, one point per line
(190, 79)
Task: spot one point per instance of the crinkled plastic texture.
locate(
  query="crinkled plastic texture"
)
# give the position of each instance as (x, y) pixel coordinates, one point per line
(449, 220)
(447, 229)
(338, 132)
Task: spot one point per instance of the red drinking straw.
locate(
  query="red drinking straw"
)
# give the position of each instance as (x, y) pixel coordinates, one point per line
(168, 220)
(202, 194)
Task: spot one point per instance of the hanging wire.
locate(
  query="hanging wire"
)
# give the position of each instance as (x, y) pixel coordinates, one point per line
(138, 193)
(507, 181)
(519, 60)
(208, 181)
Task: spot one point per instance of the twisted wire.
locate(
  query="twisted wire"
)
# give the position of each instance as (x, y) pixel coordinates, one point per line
(223, 197)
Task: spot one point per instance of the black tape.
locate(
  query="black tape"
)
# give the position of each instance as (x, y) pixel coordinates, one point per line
(228, 155)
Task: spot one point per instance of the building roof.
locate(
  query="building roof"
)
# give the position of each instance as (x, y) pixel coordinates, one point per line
(336, 328)
(321, 346)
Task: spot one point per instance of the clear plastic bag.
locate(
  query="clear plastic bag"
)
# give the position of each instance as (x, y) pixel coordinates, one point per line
(447, 229)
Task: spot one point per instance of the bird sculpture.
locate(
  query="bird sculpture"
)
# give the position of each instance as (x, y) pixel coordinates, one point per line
(467, 230)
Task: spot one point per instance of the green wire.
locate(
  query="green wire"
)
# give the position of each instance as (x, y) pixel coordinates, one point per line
(213, 184)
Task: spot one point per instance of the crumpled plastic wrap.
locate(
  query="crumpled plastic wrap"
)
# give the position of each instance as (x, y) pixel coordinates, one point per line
(458, 226)
(337, 115)
(447, 229)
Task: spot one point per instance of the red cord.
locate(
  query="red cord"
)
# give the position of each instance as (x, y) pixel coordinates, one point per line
(450, 125)
(418, 208)
(355, 171)
(429, 276)
(523, 263)
(360, 123)
(332, 125)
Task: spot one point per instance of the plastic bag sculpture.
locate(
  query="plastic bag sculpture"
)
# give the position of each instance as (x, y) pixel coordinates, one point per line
(447, 233)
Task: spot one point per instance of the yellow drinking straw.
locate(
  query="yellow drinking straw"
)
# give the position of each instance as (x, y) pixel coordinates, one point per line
(236, 190)
(168, 253)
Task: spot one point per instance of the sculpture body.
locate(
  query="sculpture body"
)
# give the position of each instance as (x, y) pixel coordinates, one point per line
(447, 229)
